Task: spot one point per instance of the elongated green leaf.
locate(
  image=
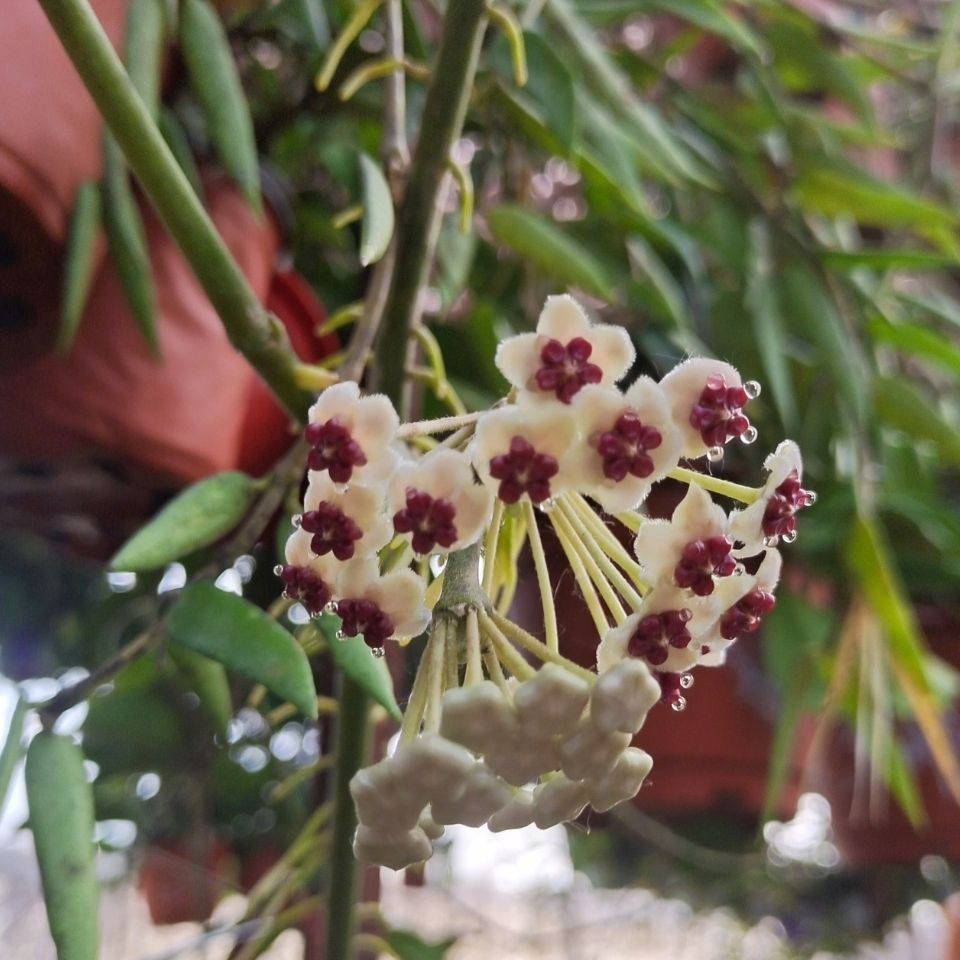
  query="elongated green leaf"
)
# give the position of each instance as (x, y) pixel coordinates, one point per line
(242, 637)
(199, 516)
(408, 946)
(12, 749)
(543, 243)
(918, 341)
(903, 786)
(377, 227)
(209, 681)
(61, 817)
(127, 243)
(216, 83)
(900, 404)
(179, 146)
(713, 17)
(145, 39)
(79, 261)
(357, 661)
(886, 259)
(666, 296)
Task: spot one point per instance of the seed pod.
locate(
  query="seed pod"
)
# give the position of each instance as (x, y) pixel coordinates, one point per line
(78, 268)
(143, 49)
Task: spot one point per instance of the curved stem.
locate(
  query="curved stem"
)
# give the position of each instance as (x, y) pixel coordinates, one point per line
(543, 577)
(529, 642)
(726, 488)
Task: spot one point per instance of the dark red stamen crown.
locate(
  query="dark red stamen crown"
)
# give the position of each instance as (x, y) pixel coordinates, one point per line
(333, 449)
(364, 618)
(671, 688)
(745, 615)
(567, 369)
(718, 414)
(333, 531)
(701, 561)
(305, 586)
(787, 499)
(658, 631)
(523, 471)
(429, 519)
(624, 447)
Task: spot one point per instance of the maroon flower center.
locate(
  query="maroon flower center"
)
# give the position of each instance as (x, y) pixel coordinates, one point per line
(701, 561)
(718, 414)
(523, 470)
(787, 499)
(745, 615)
(333, 449)
(566, 369)
(333, 531)
(429, 519)
(658, 631)
(672, 686)
(364, 618)
(305, 586)
(624, 447)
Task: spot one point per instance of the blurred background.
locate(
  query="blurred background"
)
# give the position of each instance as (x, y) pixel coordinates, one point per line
(773, 183)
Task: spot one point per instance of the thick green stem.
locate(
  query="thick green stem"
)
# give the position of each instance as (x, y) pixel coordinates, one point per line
(257, 335)
(418, 220)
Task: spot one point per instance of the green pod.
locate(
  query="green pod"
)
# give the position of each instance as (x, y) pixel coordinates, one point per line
(216, 84)
(127, 243)
(143, 46)
(173, 132)
(79, 261)
(61, 817)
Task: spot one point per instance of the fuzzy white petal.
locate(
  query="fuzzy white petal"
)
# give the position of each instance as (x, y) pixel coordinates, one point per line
(562, 318)
(400, 596)
(613, 351)
(339, 400)
(518, 359)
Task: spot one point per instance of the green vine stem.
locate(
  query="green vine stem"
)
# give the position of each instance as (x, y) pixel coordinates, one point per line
(251, 329)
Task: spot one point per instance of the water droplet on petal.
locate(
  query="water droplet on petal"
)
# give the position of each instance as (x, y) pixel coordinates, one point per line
(752, 389)
(686, 681)
(771, 541)
(341, 635)
(330, 606)
(749, 436)
(278, 569)
(714, 454)
(286, 595)
(296, 519)
(739, 570)
(790, 536)
(340, 488)
(679, 705)
(811, 497)
(377, 651)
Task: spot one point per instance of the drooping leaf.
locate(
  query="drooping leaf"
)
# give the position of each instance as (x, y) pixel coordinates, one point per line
(408, 946)
(900, 404)
(714, 17)
(79, 261)
(199, 516)
(242, 637)
(143, 49)
(543, 243)
(357, 661)
(378, 218)
(208, 680)
(12, 749)
(61, 818)
(918, 341)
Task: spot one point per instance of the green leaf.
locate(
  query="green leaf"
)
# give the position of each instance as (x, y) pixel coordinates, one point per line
(12, 748)
(179, 146)
(903, 786)
(712, 16)
(408, 946)
(79, 261)
(357, 661)
(208, 680)
(666, 296)
(886, 259)
(377, 227)
(61, 817)
(199, 516)
(214, 79)
(543, 244)
(143, 49)
(898, 403)
(918, 341)
(243, 638)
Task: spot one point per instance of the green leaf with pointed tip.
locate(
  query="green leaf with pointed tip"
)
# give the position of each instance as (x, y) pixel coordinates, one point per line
(61, 818)
(357, 661)
(900, 404)
(143, 49)
(408, 946)
(242, 637)
(544, 244)
(12, 749)
(378, 219)
(79, 261)
(199, 516)
(886, 259)
(918, 340)
(208, 680)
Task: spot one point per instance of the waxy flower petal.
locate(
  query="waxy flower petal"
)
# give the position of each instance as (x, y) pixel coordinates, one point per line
(346, 523)
(307, 578)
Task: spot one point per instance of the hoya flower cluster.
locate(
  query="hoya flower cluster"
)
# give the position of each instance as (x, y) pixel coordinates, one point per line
(501, 728)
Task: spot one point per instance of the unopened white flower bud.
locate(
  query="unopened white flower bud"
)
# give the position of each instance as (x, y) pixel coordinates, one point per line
(623, 781)
(393, 850)
(477, 716)
(516, 814)
(484, 795)
(591, 753)
(551, 702)
(559, 800)
(622, 696)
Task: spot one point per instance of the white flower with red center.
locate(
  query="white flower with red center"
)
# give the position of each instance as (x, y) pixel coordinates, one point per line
(706, 399)
(632, 441)
(380, 608)
(346, 522)
(665, 632)
(525, 452)
(772, 517)
(692, 548)
(565, 354)
(350, 435)
(307, 578)
(437, 504)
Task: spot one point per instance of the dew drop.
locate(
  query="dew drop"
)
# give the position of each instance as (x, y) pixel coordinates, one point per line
(330, 606)
(296, 519)
(749, 436)
(790, 536)
(752, 389)
(377, 651)
(286, 595)
(278, 569)
(811, 497)
(679, 705)
(547, 505)
(341, 635)
(686, 681)
(340, 488)
(739, 570)
(771, 541)
(714, 454)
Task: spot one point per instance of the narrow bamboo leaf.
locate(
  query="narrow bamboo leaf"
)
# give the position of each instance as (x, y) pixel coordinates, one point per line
(61, 817)
(408, 946)
(179, 146)
(12, 749)
(919, 341)
(543, 243)
(214, 79)
(143, 51)
(79, 261)
(934, 302)
(127, 243)
(667, 296)
(208, 680)
(242, 637)
(900, 404)
(357, 661)
(713, 17)
(903, 786)
(886, 259)
(199, 516)
(377, 227)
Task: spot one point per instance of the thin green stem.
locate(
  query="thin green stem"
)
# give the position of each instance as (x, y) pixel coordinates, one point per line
(506, 653)
(607, 541)
(437, 654)
(529, 642)
(543, 577)
(413, 715)
(726, 488)
(439, 425)
(490, 547)
(474, 671)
